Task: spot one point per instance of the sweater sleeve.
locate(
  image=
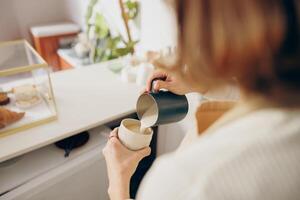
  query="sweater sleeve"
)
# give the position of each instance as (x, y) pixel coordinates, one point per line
(158, 182)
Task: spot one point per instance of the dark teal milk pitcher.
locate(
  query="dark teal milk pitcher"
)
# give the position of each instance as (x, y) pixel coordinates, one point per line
(166, 107)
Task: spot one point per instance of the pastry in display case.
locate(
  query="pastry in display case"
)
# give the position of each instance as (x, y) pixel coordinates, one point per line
(26, 96)
(4, 99)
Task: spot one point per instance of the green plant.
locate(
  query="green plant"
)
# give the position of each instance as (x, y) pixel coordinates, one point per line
(107, 47)
(89, 14)
(131, 8)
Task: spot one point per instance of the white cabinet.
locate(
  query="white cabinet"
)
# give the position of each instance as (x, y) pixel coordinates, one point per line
(45, 174)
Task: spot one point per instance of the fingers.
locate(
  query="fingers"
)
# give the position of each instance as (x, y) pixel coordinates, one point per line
(112, 141)
(158, 85)
(157, 74)
(114, 133)
(143, 153)
(112, 146)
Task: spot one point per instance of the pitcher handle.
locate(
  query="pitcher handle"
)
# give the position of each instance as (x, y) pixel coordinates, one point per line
(156, 79)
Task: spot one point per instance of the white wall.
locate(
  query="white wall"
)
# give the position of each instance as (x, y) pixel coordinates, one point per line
(8, 21)
(75, 10)
(17, 16)
(158, 26)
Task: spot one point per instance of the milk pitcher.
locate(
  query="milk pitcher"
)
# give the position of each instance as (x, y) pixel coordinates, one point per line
(165, 107)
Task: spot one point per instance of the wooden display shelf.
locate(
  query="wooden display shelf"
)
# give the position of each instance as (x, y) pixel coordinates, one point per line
(47, 47)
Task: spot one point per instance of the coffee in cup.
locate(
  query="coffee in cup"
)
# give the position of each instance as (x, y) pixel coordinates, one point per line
(131, 136)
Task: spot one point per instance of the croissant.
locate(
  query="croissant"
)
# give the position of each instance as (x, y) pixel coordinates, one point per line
(8, 117)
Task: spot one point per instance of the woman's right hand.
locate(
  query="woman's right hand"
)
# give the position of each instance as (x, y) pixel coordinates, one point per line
(170, 82)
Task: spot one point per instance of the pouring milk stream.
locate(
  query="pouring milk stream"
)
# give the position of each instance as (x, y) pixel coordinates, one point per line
(148, 118)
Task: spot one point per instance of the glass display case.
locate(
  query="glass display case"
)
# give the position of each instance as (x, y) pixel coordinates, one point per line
(26, 96)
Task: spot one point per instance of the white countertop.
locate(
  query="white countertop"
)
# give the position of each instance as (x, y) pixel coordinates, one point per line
(85, 97)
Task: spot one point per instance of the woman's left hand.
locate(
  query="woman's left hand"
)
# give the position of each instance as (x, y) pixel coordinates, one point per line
(121, 164)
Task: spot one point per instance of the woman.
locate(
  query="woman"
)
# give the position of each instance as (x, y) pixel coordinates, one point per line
(253, 152)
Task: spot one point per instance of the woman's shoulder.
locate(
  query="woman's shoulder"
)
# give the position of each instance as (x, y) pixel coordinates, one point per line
(240, 159)
(263, 136)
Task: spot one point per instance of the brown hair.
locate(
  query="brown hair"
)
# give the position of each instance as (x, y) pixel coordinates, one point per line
(255, 42)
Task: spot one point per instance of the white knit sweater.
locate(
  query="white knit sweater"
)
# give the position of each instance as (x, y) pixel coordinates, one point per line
(256, 156)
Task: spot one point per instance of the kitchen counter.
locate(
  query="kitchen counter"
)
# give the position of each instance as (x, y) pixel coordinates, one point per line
(86, 98)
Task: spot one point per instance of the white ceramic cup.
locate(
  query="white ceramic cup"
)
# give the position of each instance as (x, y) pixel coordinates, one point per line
(130, 136)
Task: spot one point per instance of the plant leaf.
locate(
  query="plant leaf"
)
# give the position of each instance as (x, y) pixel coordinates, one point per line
(89, 13)
(101, 27)
(132, 8)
